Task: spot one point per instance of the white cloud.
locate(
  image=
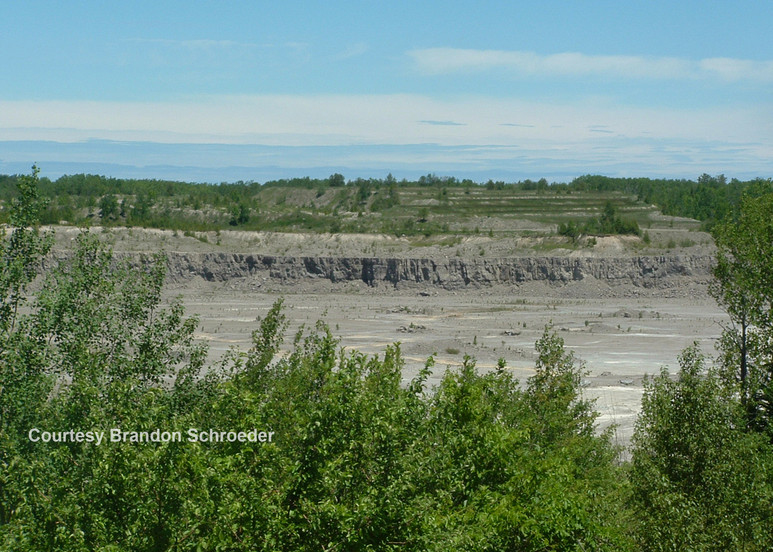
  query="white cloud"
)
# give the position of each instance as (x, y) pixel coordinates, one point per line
(373, 119)
(455, 60)
(465, 133)
(738, 69)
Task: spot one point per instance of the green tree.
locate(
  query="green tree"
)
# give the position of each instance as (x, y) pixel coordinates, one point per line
(363, 192)
(360, 462)
(108, 208)
(610, 223)
(142, 208)
(554, 392)
(569, 229)
(240, 214)
(23, 384)
(743, 285)
(120, 359)
(607, 219)
(699, 480)
(336, 180)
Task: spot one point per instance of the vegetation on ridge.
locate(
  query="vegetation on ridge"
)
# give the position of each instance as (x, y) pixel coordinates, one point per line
(430, 205)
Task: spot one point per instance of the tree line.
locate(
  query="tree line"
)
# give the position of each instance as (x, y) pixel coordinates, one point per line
(196, 206)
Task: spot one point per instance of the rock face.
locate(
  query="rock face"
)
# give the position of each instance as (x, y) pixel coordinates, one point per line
(451, 273)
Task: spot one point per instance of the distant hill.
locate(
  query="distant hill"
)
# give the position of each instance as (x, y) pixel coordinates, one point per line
(586, 207)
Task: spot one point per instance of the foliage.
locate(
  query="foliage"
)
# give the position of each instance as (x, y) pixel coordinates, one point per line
(569, 229)
(608, 223)
(359, 461)
(22, 251)
(702, 470)
(710, 199)
(378, 205)
(743, 285)
(336, 180)
(240, 214)
(108, 207)
(554, 390)
(20, 375)
(699, 481)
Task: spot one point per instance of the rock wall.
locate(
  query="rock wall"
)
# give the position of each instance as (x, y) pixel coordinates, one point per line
(450, 273)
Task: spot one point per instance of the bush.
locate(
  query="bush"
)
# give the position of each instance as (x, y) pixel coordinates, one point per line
(569, 229)
(694, 466)
(609, 223)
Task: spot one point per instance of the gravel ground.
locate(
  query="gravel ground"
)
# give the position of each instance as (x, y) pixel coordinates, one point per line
(619, 338)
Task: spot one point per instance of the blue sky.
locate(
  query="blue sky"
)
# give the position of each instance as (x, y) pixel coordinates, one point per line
(220, 91)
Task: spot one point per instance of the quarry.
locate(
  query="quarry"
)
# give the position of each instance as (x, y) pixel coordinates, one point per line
(624, 312)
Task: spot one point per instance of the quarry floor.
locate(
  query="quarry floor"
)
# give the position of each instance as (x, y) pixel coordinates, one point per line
(621, 334)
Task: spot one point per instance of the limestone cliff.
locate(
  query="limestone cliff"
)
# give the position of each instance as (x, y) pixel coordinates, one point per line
(450, 273)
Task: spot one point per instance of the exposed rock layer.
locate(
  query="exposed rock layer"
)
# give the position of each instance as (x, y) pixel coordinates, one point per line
(451, 273)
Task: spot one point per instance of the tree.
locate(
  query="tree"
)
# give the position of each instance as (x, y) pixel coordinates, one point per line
(702, 458)
(336, 180)
(120, 359)
(240, 214)
(699, 480)
(608, 223)
(363, 192)
(23, 385)
(361, 461)
(569, 229)
(141, 208)
(22, 251)
(554, 391)
(108, 207)
(743, 285)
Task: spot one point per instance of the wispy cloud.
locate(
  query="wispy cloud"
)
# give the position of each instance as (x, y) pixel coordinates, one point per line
(441, 123)
(456, 60)
(731, 69)
(381, 119)
(389, 131)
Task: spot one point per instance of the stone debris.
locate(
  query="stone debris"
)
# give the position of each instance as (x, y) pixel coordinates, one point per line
(411, 328)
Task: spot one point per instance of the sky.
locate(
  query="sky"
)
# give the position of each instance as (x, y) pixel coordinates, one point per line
(253, 90)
